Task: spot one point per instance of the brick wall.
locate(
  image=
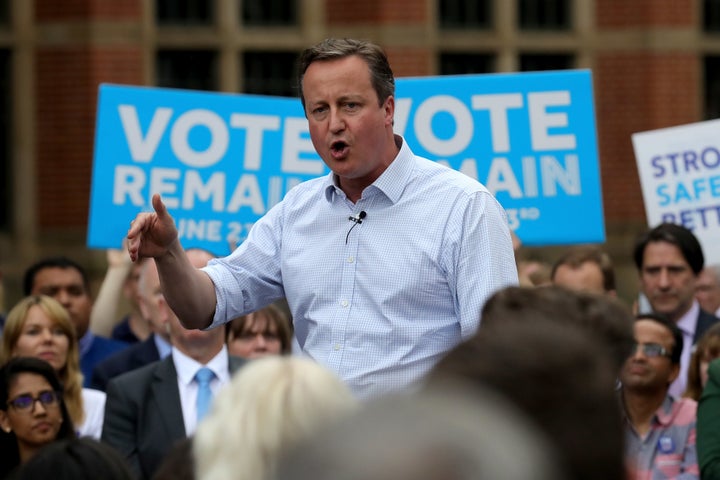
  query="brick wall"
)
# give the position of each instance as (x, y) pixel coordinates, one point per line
(637, 92)
(54, 10)
(347, 12)
(407, 62)
(66, 98)
(648, 13)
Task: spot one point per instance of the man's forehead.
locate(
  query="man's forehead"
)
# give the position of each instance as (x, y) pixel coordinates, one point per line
(650, 329)
(57, 276)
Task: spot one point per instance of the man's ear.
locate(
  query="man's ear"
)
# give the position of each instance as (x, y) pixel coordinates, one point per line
(164, 311)
(144, 309)
(389, 107)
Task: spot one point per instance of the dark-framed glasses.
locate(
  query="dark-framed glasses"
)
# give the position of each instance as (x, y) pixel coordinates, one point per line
(27, 402)
(652, 350)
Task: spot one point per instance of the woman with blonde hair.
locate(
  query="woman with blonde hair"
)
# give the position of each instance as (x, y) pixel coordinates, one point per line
(706, 350)
(270, 404)
(39, 326)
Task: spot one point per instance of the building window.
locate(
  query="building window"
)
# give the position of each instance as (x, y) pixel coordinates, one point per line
(270, 73)
(711, 16)
(544, 14)
(537, 62)
(5, 159)
(269, 13)
(184, 12)
(712, 87)
(465, 14)
(189, 69)
(463, 63)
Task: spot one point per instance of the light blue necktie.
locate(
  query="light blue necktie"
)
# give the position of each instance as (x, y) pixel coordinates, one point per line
(204, 396)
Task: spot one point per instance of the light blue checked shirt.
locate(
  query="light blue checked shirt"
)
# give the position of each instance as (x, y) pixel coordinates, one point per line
(408, 285)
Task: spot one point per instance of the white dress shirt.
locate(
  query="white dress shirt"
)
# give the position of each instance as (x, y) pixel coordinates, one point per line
(379, 304)
(187, 386)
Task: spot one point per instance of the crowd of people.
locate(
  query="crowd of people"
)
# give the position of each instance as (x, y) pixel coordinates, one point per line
(338, 341)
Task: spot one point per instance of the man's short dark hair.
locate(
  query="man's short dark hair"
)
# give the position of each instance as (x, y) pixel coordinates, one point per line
(381, 75)
(676, 235)
(607, 319)
(560, 376)
(672, 327)
(52, 262)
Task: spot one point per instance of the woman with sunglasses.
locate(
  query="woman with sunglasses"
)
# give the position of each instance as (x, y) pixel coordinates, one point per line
(32, 411)
(39, 326)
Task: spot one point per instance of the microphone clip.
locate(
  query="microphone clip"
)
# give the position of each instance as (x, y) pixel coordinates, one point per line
(357, 218)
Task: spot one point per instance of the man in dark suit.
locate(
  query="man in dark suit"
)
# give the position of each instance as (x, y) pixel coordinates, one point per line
(669, 259)
(151, 408)
(152, 349)
(67, 282)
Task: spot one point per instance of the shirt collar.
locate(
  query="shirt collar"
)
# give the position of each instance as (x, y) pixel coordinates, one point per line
(664, 415)
(688, 322)
(187, 367)
(85, 342)
(391, 182)
(163, 346)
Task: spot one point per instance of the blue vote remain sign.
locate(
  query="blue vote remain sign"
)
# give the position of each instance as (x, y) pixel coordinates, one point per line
(220, 161)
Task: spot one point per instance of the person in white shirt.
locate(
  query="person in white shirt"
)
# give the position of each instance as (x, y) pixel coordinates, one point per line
(385, 262)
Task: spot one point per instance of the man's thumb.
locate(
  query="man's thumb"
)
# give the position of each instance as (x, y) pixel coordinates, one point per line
(158, 205)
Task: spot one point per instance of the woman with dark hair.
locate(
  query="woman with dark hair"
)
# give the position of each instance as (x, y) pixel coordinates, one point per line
(76, 459)
(32, 411)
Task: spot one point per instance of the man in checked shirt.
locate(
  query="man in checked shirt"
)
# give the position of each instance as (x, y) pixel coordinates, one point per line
(659, 428)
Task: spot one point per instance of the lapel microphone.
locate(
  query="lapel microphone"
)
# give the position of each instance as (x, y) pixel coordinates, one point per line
(357, 218)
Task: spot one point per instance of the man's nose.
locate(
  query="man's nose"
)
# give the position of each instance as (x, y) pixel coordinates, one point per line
(63, 297)
(337, 122)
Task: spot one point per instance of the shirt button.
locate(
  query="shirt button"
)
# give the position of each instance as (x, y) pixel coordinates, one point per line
(344, 303)
(336, 347)
(351, 259)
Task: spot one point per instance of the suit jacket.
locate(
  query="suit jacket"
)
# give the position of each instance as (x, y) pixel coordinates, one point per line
(705, 321)
(143, 414)
(133, 357)
(99, 350)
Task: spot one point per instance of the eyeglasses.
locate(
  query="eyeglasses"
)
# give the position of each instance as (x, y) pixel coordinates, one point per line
(652, 350)
(27, 402)
(267, 336)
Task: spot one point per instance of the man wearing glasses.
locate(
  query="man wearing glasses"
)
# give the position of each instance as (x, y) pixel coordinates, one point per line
(659, 428)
